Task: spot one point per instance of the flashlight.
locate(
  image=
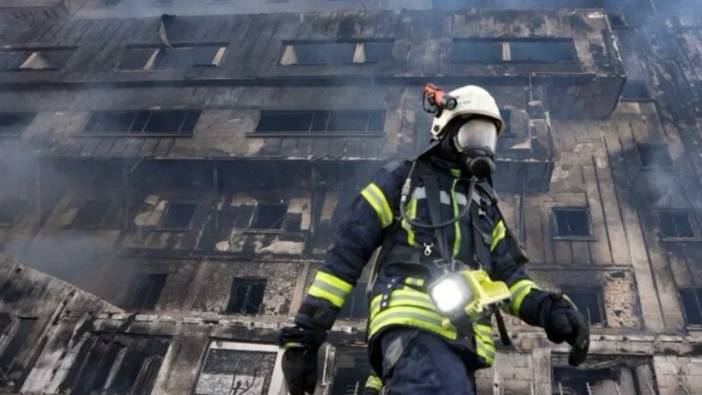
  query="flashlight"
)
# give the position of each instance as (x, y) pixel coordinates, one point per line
(450, 293)
(466, 297)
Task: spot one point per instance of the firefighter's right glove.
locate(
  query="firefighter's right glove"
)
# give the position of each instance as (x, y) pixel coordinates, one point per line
(563, 322)
(300, 358)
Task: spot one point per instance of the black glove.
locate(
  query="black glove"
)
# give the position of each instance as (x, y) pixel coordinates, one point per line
(300, 358)
(563, 322)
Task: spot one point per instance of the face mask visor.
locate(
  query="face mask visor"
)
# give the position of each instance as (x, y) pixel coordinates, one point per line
(476, 135)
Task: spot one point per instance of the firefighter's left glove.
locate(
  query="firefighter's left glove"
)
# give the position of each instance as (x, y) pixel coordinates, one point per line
(300, 358)
(563, 322)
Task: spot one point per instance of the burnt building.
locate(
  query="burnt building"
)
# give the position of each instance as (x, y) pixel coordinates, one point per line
(170, 183)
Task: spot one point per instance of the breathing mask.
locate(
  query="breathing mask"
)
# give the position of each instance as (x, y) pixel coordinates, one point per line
(476, 141)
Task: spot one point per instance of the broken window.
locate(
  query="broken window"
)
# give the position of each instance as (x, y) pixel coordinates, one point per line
(142, 123)
(476, 51)
(246, 295)
(13, 123)
(544, 50)
(321, 122)
(573, 381)
(269, 216)
(147, 290)
(571, 221)
(692, 305)
(35, 59)
(635, 90)
(240, 368)
(116, 364)
(356, 304)
(654, 155)
(178, 57)
(676, 223)
(352, 370)
(588, 301)
(603, 375)
(90, 214)
(14, 343)
(496, 50)
(178, 216)
(336, 53)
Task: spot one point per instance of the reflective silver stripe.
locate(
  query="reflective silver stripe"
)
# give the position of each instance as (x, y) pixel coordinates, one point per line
(421, 193)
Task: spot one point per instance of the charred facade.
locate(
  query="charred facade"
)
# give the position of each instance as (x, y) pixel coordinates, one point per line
(170, 184)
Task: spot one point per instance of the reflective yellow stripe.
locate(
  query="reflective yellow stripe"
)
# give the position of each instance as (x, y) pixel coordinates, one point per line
(519, 291)
(333, 281)
(483, 330)
(457, 226)
(484, 345)
(326, 295)
(412, 316)
(292, 345)
(411, 211)
(401, 300)
(418, 282)
(374, 382)
(330, 288)
(498, 233)
(376, 198)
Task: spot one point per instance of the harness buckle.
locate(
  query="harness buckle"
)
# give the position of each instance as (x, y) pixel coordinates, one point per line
(428, 248)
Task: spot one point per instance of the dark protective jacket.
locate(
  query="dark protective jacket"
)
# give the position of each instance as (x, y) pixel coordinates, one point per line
(480, 240)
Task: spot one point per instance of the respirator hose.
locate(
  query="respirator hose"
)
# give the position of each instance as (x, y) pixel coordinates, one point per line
(407, 186)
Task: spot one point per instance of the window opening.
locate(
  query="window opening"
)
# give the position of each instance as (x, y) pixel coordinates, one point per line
(239, 368)
(496, 50)
(356, 304)
(269, 216)
(162, 122)
(617, 21)
(321, 122)
(337, 53)
(148, 290)
(654, 155)
(178, 215)
(476, 51)
(351, 372)
(13, 123)
(589, 302)
(35, 59)
(635, 90)
(90, 214)
(542, 50)
(574, 381)
(676, 223)
(178, 57)
(572, 222)
(116, 364)
(246, 295)
(692, 305)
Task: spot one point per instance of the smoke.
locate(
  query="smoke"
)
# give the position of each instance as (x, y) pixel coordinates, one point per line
(31, 189)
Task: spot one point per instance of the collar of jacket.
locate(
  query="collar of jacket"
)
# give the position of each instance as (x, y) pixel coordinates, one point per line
(452, 167)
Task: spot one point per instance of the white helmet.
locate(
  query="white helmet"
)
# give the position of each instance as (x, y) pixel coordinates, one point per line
(471, 100)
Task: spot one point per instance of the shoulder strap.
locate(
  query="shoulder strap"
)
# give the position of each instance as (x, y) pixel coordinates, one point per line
(431, 183)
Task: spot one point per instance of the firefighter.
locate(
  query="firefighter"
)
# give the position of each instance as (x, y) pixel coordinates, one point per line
(435, 212)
